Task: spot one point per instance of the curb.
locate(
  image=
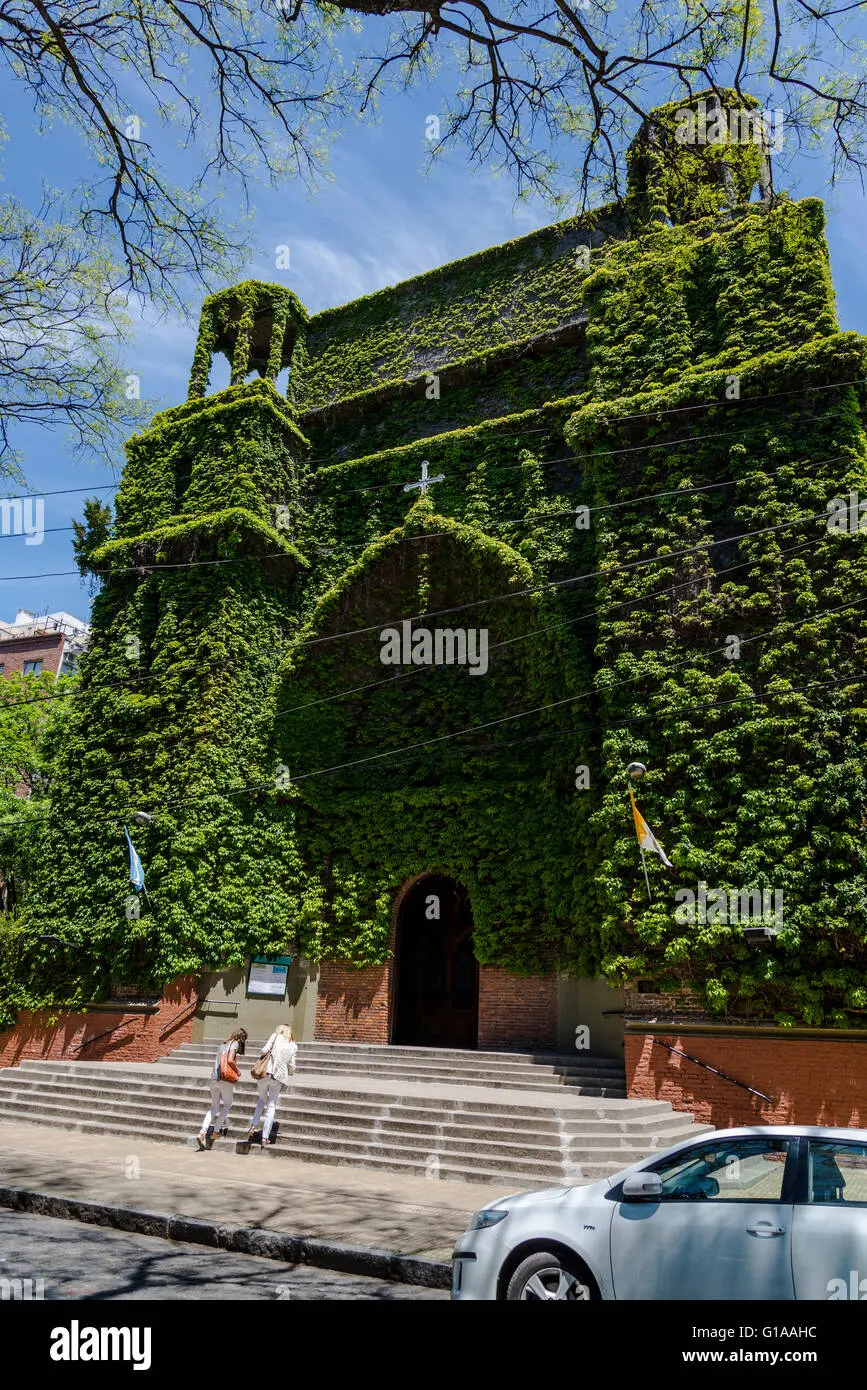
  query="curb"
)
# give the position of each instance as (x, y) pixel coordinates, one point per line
(246, 1240)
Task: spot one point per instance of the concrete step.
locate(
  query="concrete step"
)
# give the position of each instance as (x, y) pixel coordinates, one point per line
(442, 1055)
(586, 1080)
(517, 1076)
(390, 1134)
(545, 1160)
(402, 1114)
(474, 1131)
(425, 1094)
(444, 1170)
(345, 1054)
(315, 1104)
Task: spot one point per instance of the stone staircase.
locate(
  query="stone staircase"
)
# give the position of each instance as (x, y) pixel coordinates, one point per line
(525, 1119)
(526, 1071)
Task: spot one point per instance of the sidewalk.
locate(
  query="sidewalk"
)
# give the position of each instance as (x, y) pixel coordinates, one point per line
(405, 1215)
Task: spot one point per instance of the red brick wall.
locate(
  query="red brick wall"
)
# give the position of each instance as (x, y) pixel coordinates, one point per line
(810, 1081)
(353, 1005)
(144, 1038)
(46, 647)
(517, 1011)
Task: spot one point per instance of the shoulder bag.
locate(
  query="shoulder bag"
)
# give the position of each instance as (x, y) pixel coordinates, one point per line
(228, 1069)
(259, 1070)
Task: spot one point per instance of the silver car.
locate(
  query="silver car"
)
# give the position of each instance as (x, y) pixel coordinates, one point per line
(777, 1212)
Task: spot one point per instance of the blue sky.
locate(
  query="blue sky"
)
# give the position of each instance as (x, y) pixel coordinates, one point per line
(380, 220)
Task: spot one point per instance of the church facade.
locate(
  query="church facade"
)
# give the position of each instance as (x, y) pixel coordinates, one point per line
(383, 623)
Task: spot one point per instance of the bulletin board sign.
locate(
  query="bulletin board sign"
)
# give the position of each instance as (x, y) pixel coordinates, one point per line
(268, 977)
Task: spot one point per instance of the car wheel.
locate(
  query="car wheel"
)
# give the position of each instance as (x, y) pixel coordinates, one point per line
(544, 1276)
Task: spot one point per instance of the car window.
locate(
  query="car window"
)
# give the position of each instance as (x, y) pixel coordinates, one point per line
(836, 1172)
(740, 1170)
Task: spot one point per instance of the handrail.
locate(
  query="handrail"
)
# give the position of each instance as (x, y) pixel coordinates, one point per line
(189, 1008)
(716, 1071)
(124, 1023)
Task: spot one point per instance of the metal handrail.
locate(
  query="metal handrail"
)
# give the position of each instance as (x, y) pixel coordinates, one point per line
(190, 1008)
(716, 1071)
(124, 1023)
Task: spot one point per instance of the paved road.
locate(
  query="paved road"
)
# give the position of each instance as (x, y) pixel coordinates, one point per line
(92, 1262)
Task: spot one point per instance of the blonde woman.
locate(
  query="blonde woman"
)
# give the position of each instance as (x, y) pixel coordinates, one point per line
(282, 1049)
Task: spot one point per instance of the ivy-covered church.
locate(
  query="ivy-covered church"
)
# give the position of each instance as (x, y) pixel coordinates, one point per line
(374, 650)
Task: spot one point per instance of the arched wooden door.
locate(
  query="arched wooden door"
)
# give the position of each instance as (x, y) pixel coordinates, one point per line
(437, 987)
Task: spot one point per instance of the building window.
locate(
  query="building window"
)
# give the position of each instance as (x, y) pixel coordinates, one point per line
(1, 668)
(32, 668)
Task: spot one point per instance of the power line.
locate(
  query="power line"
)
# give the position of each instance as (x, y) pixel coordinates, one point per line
(477, 603)
(553, 584)
(597, 691)
(649, 414)
(552, 627)
(612, 506)
(63, 492)
(601, 727)
(586, 694)
(415, 671)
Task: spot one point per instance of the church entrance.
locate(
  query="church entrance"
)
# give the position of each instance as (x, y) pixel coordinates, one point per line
(436, 1002)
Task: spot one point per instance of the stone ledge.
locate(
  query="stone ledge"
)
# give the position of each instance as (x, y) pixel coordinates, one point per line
(744, 1030)
(123, 1006)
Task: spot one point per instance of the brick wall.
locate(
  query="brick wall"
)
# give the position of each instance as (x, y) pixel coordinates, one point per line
(353, 1005)
(45, 647)
(144, 1038)
(810, 1080)
(664, 1007)
(517, 1011)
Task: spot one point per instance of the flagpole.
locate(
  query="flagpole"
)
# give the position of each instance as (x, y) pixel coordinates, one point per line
(640, 845)
(644, 867)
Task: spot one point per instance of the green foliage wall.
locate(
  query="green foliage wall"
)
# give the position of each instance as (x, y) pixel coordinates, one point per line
(503, 295)
(712, 370)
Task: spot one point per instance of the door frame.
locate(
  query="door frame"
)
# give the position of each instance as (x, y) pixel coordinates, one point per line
(394, 971)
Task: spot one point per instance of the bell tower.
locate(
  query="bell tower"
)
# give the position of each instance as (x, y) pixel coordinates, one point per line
(701, 157)
(257, 327)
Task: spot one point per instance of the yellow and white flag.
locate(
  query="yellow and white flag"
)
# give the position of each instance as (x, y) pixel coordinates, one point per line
(646, 837)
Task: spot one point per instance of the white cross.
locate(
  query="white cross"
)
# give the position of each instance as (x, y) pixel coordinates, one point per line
(424, 482)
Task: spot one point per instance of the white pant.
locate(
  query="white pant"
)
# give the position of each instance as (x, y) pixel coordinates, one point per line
(222, 1095)
(269, 1094)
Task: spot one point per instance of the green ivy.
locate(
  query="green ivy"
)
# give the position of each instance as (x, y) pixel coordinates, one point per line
(296, 781)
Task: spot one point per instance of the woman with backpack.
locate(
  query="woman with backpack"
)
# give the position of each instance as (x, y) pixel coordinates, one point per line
(273, 1070)
(224, 1075)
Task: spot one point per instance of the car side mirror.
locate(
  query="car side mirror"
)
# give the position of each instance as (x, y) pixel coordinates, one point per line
(642, 1187)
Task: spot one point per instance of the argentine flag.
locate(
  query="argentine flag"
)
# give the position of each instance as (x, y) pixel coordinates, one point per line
(136, 872)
